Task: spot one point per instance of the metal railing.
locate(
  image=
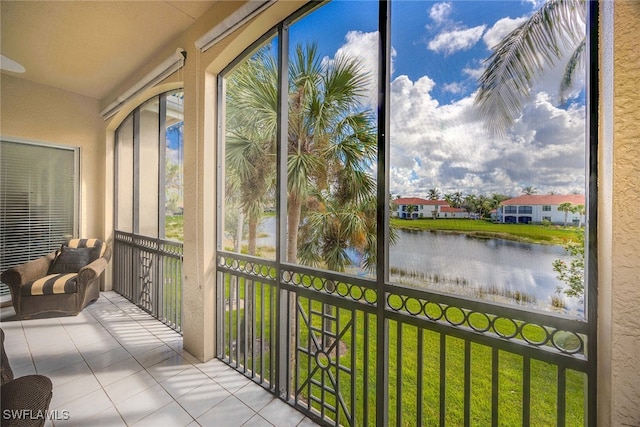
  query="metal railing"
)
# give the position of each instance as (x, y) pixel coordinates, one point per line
(310, 336)
(148, 272)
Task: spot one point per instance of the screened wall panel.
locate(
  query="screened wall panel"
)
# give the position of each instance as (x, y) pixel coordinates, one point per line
(38, 200)
(149, 164)
(124, 176)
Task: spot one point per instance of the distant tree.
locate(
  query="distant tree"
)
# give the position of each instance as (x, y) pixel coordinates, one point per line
(529, 190)
(457, 199)
(572, 273)
(496, 199)
(580, 210)
(565, 207)
(410, 210)
(470, 203)
(434, 194)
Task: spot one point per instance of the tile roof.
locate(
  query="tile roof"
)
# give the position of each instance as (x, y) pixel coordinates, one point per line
(546, 199)
(418, 201)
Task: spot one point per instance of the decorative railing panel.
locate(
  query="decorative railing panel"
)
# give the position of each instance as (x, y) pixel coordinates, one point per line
(148, 272)
(448, 360)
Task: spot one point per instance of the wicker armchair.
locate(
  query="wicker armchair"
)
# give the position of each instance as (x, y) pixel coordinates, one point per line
(60, 283)
(25, 400)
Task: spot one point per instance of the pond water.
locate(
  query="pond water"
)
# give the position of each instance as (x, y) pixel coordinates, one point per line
(491, 269)
(494, 269)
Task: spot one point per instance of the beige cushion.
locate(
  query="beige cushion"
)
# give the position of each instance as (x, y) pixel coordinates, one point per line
(52, 284)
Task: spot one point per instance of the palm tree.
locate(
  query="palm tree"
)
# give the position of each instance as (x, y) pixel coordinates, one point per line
(580, 210)
(410, 210)
(565, 207)
(454, 199)
(250, 140)
(525, 53)
(529, 190)
(434, 194)
(331, 144)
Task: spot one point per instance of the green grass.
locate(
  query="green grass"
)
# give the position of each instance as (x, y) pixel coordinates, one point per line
(532, 233)
(174, 227)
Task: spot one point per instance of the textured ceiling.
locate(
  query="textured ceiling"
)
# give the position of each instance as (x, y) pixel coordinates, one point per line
(89, 47)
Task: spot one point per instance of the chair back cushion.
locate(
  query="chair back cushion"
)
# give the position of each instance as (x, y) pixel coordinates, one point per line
(70, 260)
(96, 244)
(75, 254)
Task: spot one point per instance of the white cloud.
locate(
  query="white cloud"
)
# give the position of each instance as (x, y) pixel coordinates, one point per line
(500, 29)
(453, 41)
(454, 87)
(474, 72)
(440, 12)
(446, 147)
(364, 47)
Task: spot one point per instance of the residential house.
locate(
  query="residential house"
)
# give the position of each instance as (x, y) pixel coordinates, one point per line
(450, 212)
(416, 207)
(92, 66)
(536, 209)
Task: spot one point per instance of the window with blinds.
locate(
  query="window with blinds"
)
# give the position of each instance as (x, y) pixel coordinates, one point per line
(38, 200)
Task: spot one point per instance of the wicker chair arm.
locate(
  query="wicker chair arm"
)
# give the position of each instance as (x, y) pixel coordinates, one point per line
(92, 270)
(29, 271)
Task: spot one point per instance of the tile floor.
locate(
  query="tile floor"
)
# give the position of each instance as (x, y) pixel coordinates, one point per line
(114, 365)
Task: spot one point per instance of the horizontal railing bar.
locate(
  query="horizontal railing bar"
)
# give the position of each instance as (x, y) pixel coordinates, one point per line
(244, 257)
(119, 236)
(548, 354)
(501, 310)
(256, 279)
(332, 299)
(331, 275)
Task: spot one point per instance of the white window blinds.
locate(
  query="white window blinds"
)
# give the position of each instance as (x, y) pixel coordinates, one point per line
(38, 200)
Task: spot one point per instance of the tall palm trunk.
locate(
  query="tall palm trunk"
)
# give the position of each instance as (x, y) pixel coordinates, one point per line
(253, 235)
(293, 221)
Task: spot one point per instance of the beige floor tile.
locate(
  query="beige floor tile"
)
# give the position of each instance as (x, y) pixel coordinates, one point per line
(142, 404)
(130, 386)
(170, 415)
(231, 412)
(117, 371)
(184, 381)
(202, 398)
(72, 390)
(281, 414)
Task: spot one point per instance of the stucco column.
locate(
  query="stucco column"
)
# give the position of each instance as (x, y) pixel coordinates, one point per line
(619, 224)
(198, 315)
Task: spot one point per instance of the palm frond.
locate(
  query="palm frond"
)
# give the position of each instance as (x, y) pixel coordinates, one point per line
(570, 71)
(559, 25)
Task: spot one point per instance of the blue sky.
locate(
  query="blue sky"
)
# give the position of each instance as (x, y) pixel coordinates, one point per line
(437, 140)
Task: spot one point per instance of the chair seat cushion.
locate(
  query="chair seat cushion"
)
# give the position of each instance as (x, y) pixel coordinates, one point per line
(65, 283)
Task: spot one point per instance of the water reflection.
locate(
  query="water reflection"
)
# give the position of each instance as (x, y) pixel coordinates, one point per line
(490, 269)
(493, 269)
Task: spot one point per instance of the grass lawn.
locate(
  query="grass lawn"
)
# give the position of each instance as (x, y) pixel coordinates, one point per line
(174, 227)
(532, 233)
